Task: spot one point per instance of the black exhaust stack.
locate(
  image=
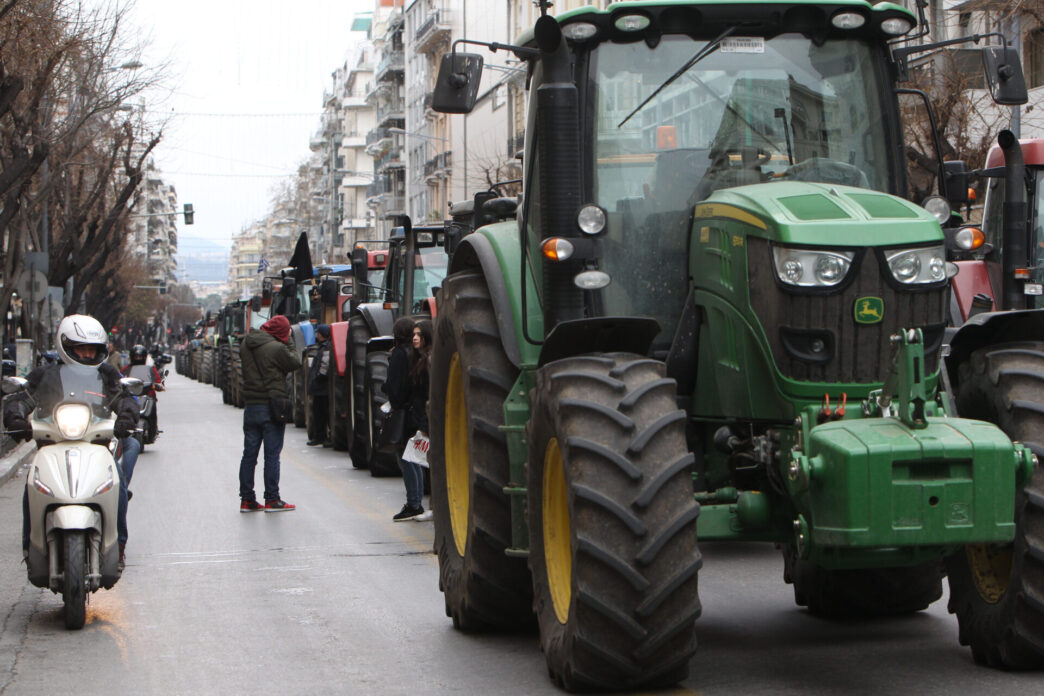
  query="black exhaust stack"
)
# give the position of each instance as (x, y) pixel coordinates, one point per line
(1014, 253)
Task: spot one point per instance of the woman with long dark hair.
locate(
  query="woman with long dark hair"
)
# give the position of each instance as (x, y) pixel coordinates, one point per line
(399, 388)
(419, 382)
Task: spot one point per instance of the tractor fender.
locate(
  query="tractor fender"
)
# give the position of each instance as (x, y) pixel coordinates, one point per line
(991, 328)
(378, 319)
(339, 344)
(494, 249)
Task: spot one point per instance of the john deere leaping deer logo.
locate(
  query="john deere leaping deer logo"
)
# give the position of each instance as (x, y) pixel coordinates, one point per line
(869, 310)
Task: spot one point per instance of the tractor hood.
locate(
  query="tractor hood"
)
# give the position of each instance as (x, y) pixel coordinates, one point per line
(824, 214)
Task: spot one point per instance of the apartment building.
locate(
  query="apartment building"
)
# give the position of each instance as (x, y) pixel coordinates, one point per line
(153, 227)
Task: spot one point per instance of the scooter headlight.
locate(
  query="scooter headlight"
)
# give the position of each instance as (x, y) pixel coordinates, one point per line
(810, 268)
(72, 420)
(917, 266)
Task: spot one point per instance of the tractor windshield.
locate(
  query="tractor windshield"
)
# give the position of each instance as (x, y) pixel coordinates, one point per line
(752, 111)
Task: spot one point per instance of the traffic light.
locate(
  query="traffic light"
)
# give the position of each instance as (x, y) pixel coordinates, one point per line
(189, 214)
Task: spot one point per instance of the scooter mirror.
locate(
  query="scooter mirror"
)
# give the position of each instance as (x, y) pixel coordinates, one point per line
(132, 385)
(13, 385)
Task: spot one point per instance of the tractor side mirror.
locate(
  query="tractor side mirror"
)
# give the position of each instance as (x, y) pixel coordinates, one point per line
(360, 265)
(1004, 75)
(456, 88)
(955, 174)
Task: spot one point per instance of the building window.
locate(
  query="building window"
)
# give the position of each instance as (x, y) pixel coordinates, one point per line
(499, 96)
(1034, 52)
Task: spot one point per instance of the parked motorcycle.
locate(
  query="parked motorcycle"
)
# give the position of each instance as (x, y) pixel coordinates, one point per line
(73, 487)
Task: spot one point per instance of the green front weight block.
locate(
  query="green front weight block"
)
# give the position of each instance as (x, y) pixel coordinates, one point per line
(877, 483)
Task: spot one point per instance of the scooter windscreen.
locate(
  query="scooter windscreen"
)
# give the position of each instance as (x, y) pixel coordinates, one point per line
(142, 372)
(71, 383)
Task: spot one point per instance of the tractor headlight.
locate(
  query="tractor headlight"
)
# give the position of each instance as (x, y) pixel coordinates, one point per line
(917, 266)
(72, 420)
(810, 268)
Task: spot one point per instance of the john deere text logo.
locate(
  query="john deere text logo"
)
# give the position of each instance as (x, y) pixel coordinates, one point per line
(869, 310)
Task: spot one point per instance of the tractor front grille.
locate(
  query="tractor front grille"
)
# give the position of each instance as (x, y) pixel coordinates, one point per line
(853, 352)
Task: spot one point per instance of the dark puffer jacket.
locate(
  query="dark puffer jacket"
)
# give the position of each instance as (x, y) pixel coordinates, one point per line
(266, 362)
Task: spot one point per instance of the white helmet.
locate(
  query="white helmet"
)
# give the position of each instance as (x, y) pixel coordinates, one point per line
(79, 330)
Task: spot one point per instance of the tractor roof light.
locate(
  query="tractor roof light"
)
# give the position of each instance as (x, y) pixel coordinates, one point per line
(631, 22)
(939, 207)
(969, 238)
(579, 31)
(848, 20)
(556, 249)
(591, 219)
(1023, 273)
(896, 26)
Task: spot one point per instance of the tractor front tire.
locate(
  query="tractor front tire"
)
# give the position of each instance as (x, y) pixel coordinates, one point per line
(612, 524)
(359, 447)
(998, 593)
(471, 377)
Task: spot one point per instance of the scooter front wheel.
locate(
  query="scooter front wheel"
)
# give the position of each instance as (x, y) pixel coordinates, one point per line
(74, 585)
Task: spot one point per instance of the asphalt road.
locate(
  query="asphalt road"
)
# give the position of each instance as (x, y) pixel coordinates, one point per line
(335, 598)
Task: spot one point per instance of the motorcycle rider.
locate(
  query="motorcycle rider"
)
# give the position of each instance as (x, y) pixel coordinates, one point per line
(138, 356)
(81, 341)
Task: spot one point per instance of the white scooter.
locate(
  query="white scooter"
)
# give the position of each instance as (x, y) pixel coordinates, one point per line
(73, 487)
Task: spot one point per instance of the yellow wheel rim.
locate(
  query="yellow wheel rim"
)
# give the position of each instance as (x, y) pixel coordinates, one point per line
(990, 571)
(558, 557)
(458, 458)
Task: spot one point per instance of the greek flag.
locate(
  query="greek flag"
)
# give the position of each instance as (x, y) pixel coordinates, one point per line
(262, 265)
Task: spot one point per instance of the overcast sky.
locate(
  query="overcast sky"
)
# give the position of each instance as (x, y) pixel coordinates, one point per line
(248, 79)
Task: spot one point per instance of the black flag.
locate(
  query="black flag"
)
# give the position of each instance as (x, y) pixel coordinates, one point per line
(302, 260)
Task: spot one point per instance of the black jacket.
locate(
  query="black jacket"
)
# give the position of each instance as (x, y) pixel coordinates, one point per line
(406, 393)
(318, 373)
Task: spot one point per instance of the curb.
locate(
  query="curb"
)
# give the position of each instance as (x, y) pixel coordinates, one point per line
(10, 464)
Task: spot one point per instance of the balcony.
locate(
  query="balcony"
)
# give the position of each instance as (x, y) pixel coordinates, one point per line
(433, 31)
(391, 66)
(393, 206)
(392, 159)
(356, 99)
(391, 114)
(437, 165)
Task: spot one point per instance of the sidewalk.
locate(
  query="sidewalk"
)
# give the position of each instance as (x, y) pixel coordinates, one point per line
(13, 461)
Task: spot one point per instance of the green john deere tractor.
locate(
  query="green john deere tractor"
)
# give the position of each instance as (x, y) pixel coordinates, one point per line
(714, 317)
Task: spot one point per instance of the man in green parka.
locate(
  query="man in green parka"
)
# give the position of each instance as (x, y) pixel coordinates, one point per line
(267, 359)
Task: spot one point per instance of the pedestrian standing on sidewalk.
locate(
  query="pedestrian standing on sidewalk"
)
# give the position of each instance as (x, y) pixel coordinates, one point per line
(399, 389)
(419, 383)
(318, 389)
(267, 359)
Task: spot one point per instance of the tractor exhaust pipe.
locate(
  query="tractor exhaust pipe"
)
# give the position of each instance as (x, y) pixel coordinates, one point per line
(1014, 252)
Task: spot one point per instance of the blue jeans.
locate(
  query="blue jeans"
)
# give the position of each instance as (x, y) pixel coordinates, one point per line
(413, 477)
(259, 428)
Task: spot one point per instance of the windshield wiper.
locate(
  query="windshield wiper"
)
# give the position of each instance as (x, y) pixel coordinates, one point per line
(700, 55)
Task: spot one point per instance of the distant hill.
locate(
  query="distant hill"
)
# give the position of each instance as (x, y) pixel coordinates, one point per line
(202, 259)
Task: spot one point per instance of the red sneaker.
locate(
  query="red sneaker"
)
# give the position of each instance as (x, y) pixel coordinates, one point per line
(250, 506)
(278, 506)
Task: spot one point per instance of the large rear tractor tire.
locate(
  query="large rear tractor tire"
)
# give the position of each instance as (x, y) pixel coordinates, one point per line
(383, 461)
(471, 377)
(74, 583)
(358, 336)
(997, 593)
(862, 593)
(612, 524)
(340, 425)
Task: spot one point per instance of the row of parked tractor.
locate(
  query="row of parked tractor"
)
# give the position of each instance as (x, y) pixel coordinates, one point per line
(360, 302)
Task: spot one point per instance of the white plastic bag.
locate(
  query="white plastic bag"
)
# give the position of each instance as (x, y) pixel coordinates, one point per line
(417, 449)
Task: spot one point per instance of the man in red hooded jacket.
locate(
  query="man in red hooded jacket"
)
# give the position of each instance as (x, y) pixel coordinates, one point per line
(267, 359)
